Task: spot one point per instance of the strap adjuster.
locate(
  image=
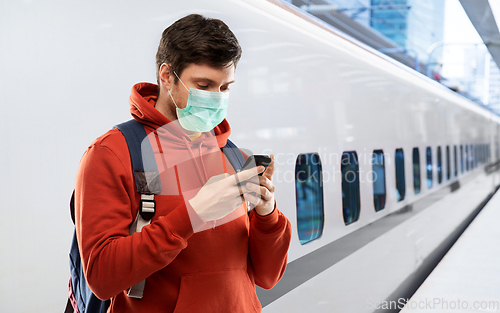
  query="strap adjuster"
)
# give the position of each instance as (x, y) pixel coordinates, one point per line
(147, 208)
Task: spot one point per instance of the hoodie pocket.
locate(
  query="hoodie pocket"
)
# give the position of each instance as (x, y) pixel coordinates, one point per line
(229, 291)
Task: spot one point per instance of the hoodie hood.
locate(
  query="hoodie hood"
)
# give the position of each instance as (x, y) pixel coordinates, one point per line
(142, 107)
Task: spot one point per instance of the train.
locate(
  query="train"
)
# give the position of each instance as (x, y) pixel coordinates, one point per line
(378, 168)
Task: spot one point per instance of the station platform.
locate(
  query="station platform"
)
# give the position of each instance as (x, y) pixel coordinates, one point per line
(468, 277)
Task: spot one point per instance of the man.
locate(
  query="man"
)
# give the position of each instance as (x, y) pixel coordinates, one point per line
(202, 252)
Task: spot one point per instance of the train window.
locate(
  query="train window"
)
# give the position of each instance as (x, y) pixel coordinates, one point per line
(480, 154)
(448, 164)
(455, 158)
(476, 156)
(497, 151)
(429, 167)
(477, 153)
(400, 175)
(472, 155)
(473, 150)
(351, 202)
(480, 150)
(309, 197)
(378, 170)
(440, 166)
(467, 158)
(461, 159)
(416, 171)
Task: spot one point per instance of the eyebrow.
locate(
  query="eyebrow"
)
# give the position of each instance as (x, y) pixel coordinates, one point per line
(211, 81)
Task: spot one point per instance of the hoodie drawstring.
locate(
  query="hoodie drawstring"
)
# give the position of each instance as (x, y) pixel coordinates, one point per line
(200, 172)
(203, 163)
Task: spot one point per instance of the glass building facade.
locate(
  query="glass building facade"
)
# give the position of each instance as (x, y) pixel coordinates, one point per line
(390, 19)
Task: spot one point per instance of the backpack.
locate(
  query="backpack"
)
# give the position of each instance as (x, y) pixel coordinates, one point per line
(81, 299)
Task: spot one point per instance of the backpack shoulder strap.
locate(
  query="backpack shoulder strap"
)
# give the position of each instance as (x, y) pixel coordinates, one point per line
(234, 155)
(143, 165)
(141, 154)
(147, 180)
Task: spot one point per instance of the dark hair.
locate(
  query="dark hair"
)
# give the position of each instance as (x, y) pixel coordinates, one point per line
(199, 40)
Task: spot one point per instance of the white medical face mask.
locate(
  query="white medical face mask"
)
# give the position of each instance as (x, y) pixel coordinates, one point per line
(204, 109)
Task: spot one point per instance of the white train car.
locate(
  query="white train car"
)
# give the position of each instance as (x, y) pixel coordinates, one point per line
(333, 111)
(362, 245)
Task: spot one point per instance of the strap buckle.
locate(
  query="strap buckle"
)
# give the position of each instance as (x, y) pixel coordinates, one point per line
(147, 208)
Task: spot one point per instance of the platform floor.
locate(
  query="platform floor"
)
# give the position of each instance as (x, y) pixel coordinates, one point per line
(468, 277)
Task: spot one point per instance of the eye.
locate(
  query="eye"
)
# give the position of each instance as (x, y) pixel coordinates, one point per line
(224, 88)
(202, 86)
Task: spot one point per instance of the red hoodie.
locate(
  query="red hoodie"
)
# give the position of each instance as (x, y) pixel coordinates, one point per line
(214, 270)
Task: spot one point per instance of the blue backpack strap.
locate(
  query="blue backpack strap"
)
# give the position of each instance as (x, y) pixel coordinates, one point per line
(147, 177)
(234, 155)
(147, 180)
(142, 157)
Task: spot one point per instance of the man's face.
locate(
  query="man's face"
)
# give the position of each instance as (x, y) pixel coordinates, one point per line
(202, 77)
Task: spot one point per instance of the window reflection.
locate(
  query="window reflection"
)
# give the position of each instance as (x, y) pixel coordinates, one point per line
(378, 177)
(440, 166)
(429, 167)
(309, 197)
(400, 175)
(416, 171)
(350, 187)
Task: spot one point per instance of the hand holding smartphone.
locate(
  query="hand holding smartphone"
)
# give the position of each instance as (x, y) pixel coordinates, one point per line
(254, 161)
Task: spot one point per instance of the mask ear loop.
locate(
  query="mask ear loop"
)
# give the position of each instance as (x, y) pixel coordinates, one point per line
(180, 81)
(172, 99)
(171, 93)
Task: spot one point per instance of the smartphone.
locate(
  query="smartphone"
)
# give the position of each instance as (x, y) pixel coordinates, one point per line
(257, 160)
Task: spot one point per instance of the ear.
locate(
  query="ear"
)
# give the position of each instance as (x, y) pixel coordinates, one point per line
(165, 76)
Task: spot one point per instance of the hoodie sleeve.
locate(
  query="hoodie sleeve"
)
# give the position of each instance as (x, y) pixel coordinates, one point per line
(268, 247)
(105, 197)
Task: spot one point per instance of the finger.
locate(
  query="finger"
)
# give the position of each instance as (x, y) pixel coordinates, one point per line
(270, 169)
(266, 182)
(265, 194)
(247, 174)
(252, 188)
(253, 199)
(260, 191)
